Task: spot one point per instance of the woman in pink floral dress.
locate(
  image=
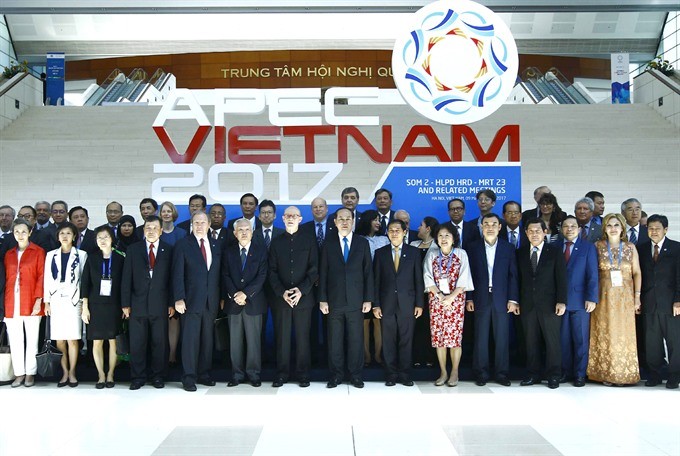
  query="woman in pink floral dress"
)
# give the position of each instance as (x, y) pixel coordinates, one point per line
(447, 278)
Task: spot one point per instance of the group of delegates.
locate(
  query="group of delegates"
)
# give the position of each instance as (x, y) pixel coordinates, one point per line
(574, 281)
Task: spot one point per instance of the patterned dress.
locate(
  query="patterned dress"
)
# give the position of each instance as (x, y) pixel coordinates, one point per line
(446, 323)
(613, 350)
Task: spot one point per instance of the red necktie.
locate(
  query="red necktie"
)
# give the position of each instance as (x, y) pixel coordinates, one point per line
(567, 251)
(152, 257)
(205, 255)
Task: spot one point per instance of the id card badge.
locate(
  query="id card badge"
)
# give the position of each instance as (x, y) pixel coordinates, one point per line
(105, 287)
(444, 286)
(617, 278)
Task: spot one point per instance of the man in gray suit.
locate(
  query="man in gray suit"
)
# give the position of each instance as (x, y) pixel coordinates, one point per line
(583, 209)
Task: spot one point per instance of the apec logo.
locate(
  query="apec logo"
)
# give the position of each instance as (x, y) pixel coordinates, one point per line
(457, 63)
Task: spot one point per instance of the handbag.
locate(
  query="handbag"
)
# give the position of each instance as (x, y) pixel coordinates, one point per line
(221, 332)
(6, 371)
(49, 358)
(123, 341)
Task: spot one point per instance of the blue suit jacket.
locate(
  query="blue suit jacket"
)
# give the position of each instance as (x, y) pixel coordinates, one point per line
(250, 280)
(582, 275)
(505, 277)
(192, 281)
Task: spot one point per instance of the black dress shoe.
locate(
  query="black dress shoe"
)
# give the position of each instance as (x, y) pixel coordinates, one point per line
(232, 383)
(407, 382)
(579, 382)
(206, 381)
(278, 383)
(332, 383)
(653, 382)
(158, 384)
(672, 384)
(304, 383)
(256, 383)
(134, 386)
(529, 381)
(564, 378)
(554, 383)
(357, 383)
(480, 382)
(62, 384)
(100, 385)
(503, 380)
(390, 383)
(191, 387)
(72, 384)
(110, 384)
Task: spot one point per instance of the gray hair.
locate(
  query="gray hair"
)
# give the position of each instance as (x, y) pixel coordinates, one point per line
(5, 206)
(628, 201)
(242, 221)
(588, 201)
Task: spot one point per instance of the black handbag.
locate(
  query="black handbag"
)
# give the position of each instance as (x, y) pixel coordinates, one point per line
(221, 332)
(123, 341)
(49, 358)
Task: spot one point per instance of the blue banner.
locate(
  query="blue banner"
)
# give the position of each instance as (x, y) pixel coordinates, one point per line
(56, 72)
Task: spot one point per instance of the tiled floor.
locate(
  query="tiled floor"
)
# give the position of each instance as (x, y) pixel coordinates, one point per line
(374, 421)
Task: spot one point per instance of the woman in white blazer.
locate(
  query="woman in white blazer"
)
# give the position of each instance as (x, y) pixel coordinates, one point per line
(63, 269)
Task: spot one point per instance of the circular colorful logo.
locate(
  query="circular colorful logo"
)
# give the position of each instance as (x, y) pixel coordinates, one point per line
(456, 63)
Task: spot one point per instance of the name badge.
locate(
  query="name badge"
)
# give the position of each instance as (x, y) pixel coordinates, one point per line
(444, 286)
(105, 287)
(616, 278)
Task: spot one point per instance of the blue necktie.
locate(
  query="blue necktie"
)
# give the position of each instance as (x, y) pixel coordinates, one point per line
(243, 258)
(319, 233)
(633, 237)
(267, 238)
(345, 250)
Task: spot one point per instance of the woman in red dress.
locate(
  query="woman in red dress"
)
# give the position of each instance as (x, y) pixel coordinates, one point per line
(447, 278)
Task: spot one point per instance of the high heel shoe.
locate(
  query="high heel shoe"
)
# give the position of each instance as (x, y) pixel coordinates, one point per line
(441, 380)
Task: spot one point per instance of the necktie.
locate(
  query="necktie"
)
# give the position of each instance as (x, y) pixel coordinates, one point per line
(203, 252)
(243, 258)
(319, 234)
(633, 237)
(152, 257)
(534, 259)
(214, 234)
(584, 232)
(396, 259)
(513, 238)
(345, 250)
(80, 240)
(656, 252)
(383, 224)
(267, 237)
(460, 239)
(567, 251)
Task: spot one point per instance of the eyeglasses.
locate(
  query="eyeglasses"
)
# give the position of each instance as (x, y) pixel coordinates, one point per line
(456, 209)
(291, 216)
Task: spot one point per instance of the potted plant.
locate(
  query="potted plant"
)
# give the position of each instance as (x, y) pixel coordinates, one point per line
(15, 68)
(660, 64)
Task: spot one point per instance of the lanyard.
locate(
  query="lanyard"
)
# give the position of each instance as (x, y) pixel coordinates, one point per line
(449, 260)
(611, 261)
(106, 267)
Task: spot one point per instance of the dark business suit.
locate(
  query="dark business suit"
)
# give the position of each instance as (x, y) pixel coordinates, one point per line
(258, 235)
(245, 321)
(223, 236)
(89, 242)
(470, 232)
(491, 305)
(293, 262)
(345, 287)
(660, 289)
(540, 291)
(642, 236)
(530, 214)
(397, 293)
(45, 238)
(199, 287)
(520, 234)
(593, 232)
(185, 225)
(148, 295)
(582, 286)
(383, 225)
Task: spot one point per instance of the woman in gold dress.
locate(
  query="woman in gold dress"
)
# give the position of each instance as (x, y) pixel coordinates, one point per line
(613, 351)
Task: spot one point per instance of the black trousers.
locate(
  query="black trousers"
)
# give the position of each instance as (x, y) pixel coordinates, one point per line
(489, 321)
(658, 327)
(197, 345)
(148, 332)
(285, 319)
(245, 341)
(547, 324)
(397, 338)
(346, 325)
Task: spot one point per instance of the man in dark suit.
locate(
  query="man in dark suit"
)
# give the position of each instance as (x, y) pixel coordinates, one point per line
(589, 230)
(86, 240)
(114, 211)
(319, 226)
(512, 230)
(598, 205)
(43, 212)
(244, 272)
(660, 266)
(346, 290)
(40, 238)
(197, 203)
(535, 212)
(467, 231)
(293, 269)
(582, 296)
(267, 231)
(399, 298)
(486, 200)
(147, 207)
(196, 288)
(383, 203)
(410, 235)
(248, 203)
(147, 302)
(350, 200)
(217, 217)
(543, 294)
(631, 209)
(493, 266)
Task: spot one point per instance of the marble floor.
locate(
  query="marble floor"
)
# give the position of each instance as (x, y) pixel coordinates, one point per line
(421, 420)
